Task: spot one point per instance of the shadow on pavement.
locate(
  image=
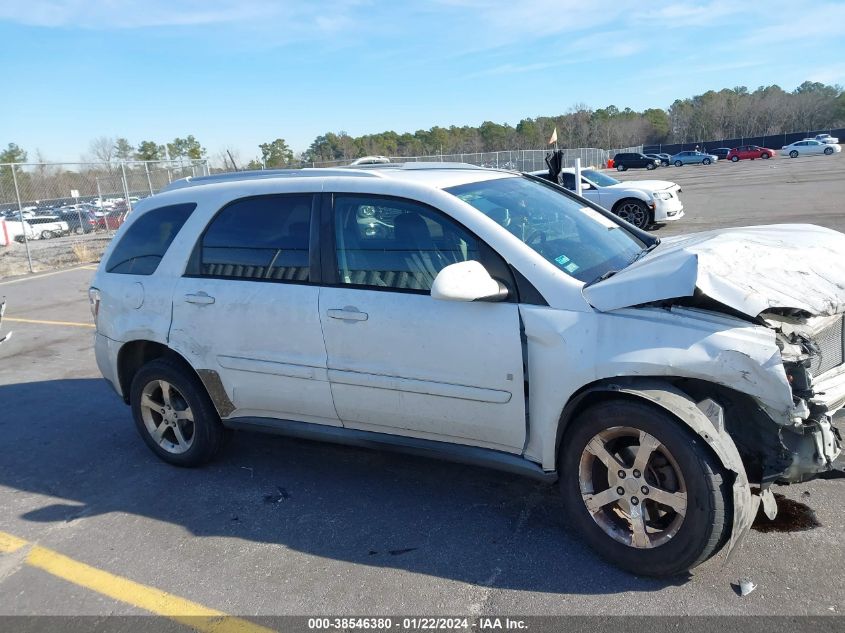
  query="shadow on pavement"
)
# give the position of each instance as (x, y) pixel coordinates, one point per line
(74, 439)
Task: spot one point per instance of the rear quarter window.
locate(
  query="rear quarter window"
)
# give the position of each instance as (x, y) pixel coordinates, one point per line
(146, 241)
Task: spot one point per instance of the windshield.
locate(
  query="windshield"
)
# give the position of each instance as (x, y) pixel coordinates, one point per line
(578, 240)
(598, 178)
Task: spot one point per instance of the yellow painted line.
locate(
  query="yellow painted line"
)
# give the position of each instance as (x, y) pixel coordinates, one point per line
(191, 614)
(40, 275)
(41, 322)
(9, 543)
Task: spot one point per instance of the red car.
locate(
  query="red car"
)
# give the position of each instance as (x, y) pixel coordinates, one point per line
(750, 152)
(111, 220)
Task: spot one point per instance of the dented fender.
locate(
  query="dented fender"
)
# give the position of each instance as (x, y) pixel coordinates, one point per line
(705, 420)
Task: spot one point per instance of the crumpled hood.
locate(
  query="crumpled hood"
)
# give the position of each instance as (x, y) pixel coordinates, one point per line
(645, 185)
(750, 269)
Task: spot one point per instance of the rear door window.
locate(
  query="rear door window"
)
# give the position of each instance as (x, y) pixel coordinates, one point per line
(141, 248)
(261, 238)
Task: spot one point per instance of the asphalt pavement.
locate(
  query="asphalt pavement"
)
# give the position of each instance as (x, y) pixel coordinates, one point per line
(280, 526)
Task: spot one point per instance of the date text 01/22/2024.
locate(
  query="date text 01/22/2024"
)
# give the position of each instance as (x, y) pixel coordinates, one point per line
(415, 624)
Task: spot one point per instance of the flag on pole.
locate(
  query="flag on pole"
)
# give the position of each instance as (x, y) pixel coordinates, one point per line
(553, 139)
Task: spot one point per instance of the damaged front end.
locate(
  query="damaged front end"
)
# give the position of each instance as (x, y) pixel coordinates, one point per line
(813, 352)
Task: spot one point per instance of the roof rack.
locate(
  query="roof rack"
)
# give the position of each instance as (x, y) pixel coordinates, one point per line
(262, 174)
(367, 171)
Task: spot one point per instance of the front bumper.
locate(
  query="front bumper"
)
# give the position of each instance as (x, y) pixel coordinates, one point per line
(668, 210)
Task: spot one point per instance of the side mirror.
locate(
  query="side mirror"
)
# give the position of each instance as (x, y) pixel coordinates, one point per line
(467, 281)
(585, 186)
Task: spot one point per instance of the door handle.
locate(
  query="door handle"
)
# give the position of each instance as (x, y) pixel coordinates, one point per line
(199, 298)
(347, 314)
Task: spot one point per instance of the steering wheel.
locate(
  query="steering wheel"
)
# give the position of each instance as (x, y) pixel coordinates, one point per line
(539, 239)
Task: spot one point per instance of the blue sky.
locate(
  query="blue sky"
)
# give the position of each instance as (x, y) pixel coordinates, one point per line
(235, 73)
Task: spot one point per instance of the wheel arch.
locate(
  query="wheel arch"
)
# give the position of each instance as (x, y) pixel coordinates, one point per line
(632, 196)
(705, 421)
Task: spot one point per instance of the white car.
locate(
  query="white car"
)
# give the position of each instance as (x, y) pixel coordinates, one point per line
(500, 321)
(48, 226)
(16, 230)
(809, 147)
(826, 138)
(640, 202)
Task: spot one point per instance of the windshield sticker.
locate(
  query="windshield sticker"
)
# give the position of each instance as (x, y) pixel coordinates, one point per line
(567, 264)
(598, 217)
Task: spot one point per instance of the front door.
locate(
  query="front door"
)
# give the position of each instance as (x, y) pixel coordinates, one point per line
(248, 311)
(401, 362)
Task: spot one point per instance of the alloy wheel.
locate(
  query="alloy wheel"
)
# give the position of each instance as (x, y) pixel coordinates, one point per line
(633, 213)
(167, 416)
(632, 487)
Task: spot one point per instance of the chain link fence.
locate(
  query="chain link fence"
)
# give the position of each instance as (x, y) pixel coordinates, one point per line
(54, 215)
(517, 159)
(59, 214)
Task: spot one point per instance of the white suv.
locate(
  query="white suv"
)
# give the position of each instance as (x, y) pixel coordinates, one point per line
(496, 319)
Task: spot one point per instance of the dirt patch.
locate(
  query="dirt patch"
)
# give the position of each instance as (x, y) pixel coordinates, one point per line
(52, 254)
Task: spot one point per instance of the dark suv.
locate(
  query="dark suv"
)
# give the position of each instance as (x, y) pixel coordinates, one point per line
(629, 160)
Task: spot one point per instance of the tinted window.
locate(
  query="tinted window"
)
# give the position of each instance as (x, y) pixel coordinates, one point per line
(259, 238)
(393, 243)
(145, 243)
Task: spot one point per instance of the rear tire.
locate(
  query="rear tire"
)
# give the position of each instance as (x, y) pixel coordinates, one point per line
(78, 230)
(174, 414)
(634, 529)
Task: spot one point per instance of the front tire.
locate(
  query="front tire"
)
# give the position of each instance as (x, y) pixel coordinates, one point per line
(765, 156)
(620, 168)
(706, 161)
(634, 212)
(828, 150)
(793, 153)
(643, 491)
(650, 166)
(174, 414)
(734, 159)
(678, 163)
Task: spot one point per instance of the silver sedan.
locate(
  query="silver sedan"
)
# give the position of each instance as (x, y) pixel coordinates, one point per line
(693, 158)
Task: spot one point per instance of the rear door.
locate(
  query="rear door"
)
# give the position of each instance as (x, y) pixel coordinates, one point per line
(400, 361)
(246, 309)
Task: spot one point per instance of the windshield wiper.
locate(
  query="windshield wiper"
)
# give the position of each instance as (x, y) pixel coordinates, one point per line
(605, 275)
(608, 274)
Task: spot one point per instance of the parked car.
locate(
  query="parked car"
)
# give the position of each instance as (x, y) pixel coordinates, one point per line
(110, 220)
(80, 221)
(720, 152)
(640, 202)
(808, 148)
(693, 158)
(826, 138)
(749, 152)
(663, 158)
(17, 229)
(634, 160)
(666, 404)
(48, 226)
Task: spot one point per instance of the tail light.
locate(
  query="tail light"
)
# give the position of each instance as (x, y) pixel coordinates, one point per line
(94, 301)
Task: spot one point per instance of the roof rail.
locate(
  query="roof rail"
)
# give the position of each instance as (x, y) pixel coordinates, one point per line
(410, 165)
(262, 174)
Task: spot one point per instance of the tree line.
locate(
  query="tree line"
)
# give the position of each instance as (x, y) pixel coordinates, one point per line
(713, 115)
